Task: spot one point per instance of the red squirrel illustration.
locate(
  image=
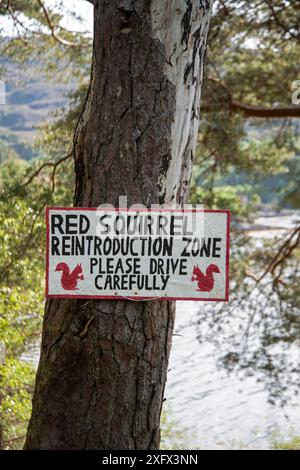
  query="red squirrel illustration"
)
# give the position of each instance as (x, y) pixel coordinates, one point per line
(205, 281)
(69, 279)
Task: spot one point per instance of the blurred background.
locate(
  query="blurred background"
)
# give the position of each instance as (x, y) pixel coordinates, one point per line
(234, 371)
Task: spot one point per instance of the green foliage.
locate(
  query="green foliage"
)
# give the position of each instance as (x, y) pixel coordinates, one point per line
(252, 60)
(16, 385)
(290, 193)
(21, 304)
(22, 236)
(173, 436)
(70, 55)
(20, 316)
(240, 199)
(293, 444)
(289, 442)
(6, 153)
(239, 161)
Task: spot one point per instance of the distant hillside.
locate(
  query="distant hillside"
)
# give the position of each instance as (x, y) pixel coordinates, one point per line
(29, 102)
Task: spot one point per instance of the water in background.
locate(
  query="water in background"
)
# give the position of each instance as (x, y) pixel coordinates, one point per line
(218, 411)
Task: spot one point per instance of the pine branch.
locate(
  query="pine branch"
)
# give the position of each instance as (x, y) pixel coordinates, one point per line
(54, 34)
(251, 110)
(265, 112)
(53, 165)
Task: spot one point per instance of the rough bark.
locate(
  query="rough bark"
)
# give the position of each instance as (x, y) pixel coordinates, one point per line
(103, 365)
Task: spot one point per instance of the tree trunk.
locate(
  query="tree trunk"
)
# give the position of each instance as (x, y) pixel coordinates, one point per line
(103, 365)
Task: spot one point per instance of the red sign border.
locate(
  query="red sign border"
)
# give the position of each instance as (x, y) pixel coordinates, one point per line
(117, 297)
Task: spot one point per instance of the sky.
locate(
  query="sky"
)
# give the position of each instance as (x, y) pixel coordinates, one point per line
(79, 7)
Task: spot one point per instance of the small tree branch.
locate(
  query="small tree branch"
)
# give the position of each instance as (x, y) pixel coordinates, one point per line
(278, 20)
(53, 165)
(265, 112)
(252, 110)
(51, 26)
(283, 254)
(10, 441)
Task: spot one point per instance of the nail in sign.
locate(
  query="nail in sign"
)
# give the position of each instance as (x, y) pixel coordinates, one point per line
(137, 254)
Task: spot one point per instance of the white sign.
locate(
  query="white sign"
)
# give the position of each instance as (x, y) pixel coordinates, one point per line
(140, 254)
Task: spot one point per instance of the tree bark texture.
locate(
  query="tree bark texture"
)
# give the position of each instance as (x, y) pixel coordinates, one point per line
(103, 365)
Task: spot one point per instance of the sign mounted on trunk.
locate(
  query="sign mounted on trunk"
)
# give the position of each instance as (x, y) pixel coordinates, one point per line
(137, 254)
